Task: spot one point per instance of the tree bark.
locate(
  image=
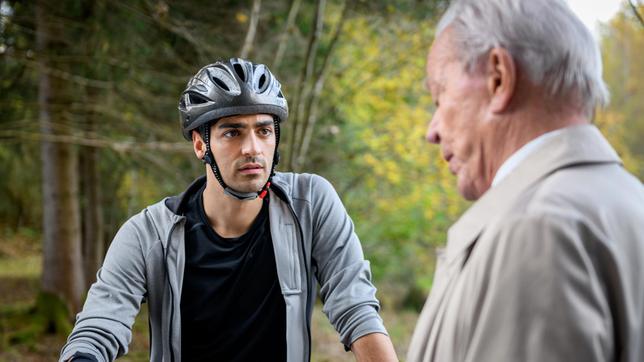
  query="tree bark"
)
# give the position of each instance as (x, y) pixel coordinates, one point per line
(252, 29)
(303, 88)
(93, 229)
(311, 117)
(92, 220)
(290, 22)
(62, 274)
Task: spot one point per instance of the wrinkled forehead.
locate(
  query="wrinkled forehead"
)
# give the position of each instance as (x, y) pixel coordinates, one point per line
(441, 54)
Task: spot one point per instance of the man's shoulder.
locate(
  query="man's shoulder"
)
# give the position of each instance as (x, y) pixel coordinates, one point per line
(295, 178)
(154, 219)
(589, 189)
(597, 201)
(303, 186)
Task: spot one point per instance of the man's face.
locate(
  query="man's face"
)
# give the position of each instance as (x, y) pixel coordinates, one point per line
(459, 123)
(243, 147)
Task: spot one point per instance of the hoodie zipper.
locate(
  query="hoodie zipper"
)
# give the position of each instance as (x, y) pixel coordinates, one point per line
(167, 274)
(308, 276)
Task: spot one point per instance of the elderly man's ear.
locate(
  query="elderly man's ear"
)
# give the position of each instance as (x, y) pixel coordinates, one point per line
(501, 79)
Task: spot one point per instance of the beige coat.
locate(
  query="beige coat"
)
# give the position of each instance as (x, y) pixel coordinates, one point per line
(546, 266)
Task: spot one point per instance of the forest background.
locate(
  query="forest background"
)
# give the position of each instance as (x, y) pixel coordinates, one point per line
(89, 135)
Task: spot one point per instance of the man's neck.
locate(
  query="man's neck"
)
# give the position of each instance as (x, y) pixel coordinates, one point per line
(525, 128)
(228, 216)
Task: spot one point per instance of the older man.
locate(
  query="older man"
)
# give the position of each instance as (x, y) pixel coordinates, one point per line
(546, 265)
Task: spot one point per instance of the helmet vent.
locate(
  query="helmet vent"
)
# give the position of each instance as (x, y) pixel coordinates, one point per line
(261, 82)
(196, 99)
(240, 71)
(279, 95)
(221, 84)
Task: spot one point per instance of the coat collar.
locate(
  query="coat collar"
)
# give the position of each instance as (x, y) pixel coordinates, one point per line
(575, 145)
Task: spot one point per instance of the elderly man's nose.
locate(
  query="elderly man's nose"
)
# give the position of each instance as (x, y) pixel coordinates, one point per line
(432, 135)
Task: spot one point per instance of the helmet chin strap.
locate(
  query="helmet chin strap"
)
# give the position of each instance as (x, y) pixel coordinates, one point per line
(238, 195)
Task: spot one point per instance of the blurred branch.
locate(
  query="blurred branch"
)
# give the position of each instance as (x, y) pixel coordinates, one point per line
(11, 83)
(311, 119)
(252, 29)
(304, 79)
(290, 21)
(74, 60)
(122, 146)
(141, 14)
(355, 181)
(163, 167)
(74, 78)
(160, 16)
(636, 12)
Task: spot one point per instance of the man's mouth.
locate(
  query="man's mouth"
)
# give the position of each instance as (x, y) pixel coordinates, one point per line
(251, 169)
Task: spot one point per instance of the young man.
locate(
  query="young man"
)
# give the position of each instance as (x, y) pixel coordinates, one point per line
(229, 267)
(546, 265)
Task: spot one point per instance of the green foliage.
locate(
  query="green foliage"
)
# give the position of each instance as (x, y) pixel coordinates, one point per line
(21, 173)
(51, 314)
(19, 160)
(623, 121)
(29, 267)
(397, 189)
(26, 325)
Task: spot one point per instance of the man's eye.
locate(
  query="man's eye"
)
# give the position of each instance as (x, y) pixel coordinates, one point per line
(231, 133)
(265, 131)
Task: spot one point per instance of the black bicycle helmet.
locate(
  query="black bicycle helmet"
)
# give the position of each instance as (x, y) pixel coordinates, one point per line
(229, 88)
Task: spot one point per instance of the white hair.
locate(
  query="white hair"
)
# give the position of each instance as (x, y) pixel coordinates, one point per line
(544, 37)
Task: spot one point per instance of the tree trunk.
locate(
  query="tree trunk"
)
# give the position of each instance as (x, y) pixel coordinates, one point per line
(288, 28)
(92, 220)
(252, 29)
(311, 117)
(62, 274)
(303, 88)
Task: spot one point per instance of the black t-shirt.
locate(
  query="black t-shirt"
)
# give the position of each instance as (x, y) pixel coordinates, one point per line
(232, 308)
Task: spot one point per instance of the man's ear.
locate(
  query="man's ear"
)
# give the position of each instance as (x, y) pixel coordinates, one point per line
(501, 78)
(198, 145)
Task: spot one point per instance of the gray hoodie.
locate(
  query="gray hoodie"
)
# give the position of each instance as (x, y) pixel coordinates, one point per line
(313, 240)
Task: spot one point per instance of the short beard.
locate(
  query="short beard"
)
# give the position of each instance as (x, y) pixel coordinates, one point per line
(260, 160)
(256, 185)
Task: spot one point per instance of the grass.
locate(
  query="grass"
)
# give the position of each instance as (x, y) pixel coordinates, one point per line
(326, 342)
(27, 267)
(19, 282)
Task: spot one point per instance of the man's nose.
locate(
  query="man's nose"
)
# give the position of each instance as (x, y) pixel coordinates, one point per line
(432, 135)
(251, 145)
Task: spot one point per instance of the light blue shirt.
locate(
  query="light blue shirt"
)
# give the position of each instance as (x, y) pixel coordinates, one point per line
(519, 155)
